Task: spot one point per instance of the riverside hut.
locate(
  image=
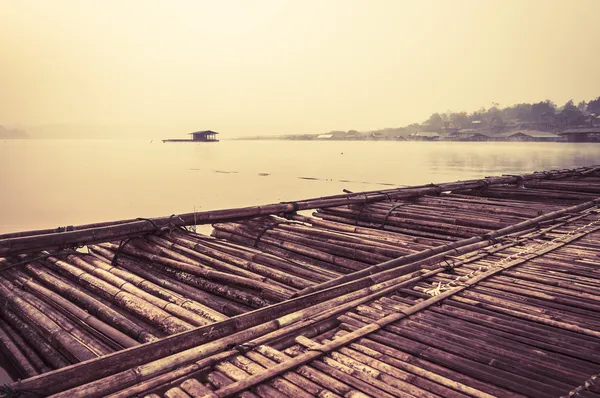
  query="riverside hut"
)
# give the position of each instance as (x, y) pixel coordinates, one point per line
(586, 134)
(199, 136)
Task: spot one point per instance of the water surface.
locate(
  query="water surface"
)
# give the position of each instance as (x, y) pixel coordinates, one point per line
(51, 183)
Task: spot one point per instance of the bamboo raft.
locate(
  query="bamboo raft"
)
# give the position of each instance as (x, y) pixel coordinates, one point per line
(483, 288)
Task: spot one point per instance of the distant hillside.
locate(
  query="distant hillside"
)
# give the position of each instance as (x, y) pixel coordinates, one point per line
(6, 133)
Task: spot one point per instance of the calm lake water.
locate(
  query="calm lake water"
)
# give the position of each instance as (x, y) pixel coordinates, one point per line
(51, 183)
(68, 182)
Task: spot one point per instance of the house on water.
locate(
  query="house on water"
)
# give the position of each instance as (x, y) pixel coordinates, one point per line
(587, 134)
(198, 136)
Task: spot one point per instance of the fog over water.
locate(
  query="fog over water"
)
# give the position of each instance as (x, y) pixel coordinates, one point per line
(51, 183)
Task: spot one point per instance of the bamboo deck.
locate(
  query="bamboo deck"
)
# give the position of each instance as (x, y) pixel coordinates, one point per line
(484, 288)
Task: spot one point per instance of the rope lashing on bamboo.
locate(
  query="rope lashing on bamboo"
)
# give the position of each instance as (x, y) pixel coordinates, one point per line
(519, 179)
(387, 195)
(357, 218)
(439, 189)
(7, 392)
(156, 227)
(265, 230)
(295, 206)
(390, 212)
(119, 250)
(585, 386)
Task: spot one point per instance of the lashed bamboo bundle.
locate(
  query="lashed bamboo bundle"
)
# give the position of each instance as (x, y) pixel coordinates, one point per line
(375, 215)
(28, 284)
(238, 265)
(188, 274)
(250, 251)
(210, 300)
(261, 257)
(414, 337)
(296, 249)
(48, 240)
(162, 256)
(9, 348)
(549, 195)
(395, 239)
(85, 300)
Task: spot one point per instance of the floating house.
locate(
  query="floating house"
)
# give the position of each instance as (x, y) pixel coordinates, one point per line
(528, 136)
(199, 136)
(587, 134)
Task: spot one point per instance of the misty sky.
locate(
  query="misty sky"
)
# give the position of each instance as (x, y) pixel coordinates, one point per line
(273, 66)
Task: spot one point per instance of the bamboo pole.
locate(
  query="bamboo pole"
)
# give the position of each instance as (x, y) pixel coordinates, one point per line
(259, 257)
(10, 350)
(129, 284)
(124, 299)
(148, 286)
(214, 302)
(47, 352)
(73, 349)
(29, 351)
(28, 284)
(91, 304)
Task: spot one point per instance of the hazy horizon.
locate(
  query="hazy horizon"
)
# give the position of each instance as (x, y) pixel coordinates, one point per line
(276, 67)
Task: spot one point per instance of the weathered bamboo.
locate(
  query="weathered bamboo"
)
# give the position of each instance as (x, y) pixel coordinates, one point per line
(418, 226)
(353, 253)
(317, 350)
(11, 351)
(176, 251)
(28, 284)
(456, 247)
(325, 269)
(152, 288)
(264, 271)
(124, 299)
(26, 349)
(73, 349)
(212, 301)
(93, 344)
(301, 247)
(246, 253)
(197, 269)
(395, 239)
(268, 327)
(91, 304)
(389, 228)
(48, 353)
(172, 306)
(495, 296)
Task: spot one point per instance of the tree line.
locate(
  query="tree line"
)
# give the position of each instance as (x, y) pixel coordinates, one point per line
(543, 113)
